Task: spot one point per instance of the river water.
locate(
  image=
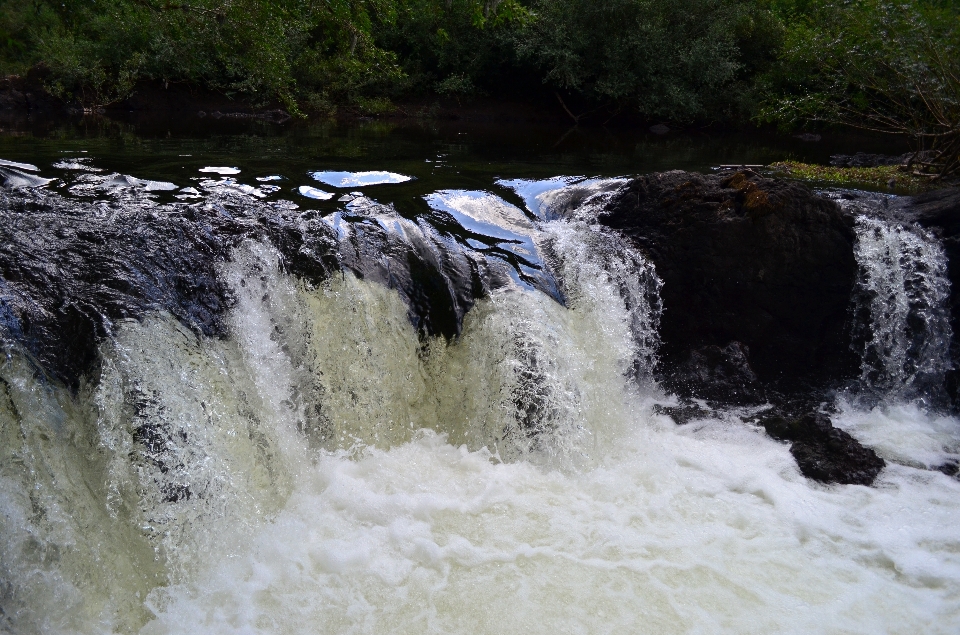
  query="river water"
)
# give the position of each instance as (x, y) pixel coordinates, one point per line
(325, 468)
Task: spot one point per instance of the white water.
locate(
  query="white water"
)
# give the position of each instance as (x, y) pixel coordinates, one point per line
(904, 285)
(345, 478)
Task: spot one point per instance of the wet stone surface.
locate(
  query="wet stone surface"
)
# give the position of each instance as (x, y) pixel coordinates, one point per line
(69, 267)
(763, 262)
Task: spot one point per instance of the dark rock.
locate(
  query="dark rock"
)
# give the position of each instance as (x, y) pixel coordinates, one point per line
(761, 262)
(865, 160)
(684, 413)
(808, 136)
(719, 375)
(69, 268)
(823, 452)
(659, 129)
(25, 95)
(950, 468)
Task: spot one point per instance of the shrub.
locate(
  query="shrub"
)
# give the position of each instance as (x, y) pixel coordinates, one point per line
(268, 50)
(890, 67)
(674, 59)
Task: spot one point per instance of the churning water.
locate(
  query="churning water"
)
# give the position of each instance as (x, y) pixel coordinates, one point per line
(326, 469)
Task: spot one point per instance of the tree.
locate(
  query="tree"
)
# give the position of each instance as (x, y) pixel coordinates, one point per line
(882, 66)
(673, 59)
(286, 50)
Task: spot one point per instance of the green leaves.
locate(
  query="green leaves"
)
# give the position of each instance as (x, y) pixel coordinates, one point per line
(676, 59)
(268, 50)
(883, 66)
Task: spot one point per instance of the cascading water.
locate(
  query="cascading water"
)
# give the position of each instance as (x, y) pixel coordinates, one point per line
(903, 334)
(904, 289)
(323, 465)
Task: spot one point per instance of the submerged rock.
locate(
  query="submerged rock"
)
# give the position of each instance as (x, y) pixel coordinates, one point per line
(823, 452)
(761, 262)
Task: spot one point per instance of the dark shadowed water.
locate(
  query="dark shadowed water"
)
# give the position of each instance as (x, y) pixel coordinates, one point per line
(440, 155)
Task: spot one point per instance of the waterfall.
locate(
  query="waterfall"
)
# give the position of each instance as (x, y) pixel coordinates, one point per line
(902, 292)
(180, 445)
(320, 459)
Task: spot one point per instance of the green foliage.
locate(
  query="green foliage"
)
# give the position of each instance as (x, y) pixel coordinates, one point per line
(889, 65)
(890, 176)
(676, 59)
(267, 50)
(878, 65)
(455, 47)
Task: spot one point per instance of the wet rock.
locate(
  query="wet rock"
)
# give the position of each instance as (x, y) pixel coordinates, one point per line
(866, 160)
(719, 375)
(684, 413)
(761, 262)
(823, 452)
(70, 268)
(950, 468)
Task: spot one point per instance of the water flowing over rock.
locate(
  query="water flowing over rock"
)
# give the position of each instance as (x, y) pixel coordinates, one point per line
(70, 268)
(221, 412)
(902, 294)
(939, 211)
(905, 305)
(758, 276)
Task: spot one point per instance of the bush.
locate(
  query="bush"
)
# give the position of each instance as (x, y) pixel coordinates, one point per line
(889, 67)
(267, 50)
(456, 47)
(672, 59)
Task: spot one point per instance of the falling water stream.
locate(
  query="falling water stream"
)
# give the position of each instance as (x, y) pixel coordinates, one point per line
(325, 467)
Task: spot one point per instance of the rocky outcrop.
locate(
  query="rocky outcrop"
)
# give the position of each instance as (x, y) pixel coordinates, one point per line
(718, 375)
(70, 268)
(757, 277)
(867, 160)
(760, 268)
(24, 96)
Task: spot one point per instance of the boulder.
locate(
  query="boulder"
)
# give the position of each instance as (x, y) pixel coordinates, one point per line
(823, 452)
(719, 375)
(71, 268)
(763, 263)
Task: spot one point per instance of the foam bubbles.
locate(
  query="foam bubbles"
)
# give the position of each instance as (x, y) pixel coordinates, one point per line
(674, 533)
(324, 470)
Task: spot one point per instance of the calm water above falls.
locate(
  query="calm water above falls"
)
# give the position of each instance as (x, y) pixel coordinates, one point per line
(324, 468)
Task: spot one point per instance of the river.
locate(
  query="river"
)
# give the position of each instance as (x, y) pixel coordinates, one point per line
(323, 464)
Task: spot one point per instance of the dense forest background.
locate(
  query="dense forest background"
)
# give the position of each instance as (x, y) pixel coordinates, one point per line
(878, 64)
